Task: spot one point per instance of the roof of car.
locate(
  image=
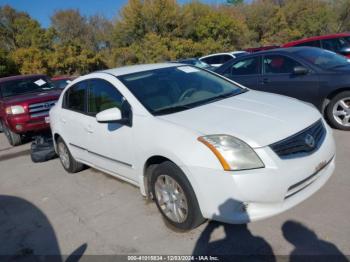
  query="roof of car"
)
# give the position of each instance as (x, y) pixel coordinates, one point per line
(315, 38)
(19, 77)
(282, 50)
(137, 68)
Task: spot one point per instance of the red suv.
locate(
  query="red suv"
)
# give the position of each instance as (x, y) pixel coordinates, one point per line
(25, 102)
(339, 43)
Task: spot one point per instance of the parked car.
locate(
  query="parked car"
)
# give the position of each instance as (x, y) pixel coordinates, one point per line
(194, 141)
(310, 74)
(195, 62)
(339, 43)
(25, 102)
(218, 59)
(261, 48)
(62, 81)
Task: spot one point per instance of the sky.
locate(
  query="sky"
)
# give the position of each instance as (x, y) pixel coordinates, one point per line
(41, 10)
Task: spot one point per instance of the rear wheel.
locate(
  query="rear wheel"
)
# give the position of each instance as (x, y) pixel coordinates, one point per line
(13, 138)
(67, 161)
(175, 197)
(1, 128)
(338, 111)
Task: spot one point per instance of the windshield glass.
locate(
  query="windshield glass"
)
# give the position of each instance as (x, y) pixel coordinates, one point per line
(173, 89)
(23, 86)
(323, 58)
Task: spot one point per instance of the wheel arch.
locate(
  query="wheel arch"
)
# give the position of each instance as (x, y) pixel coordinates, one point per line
(331, 95)
(148, 168)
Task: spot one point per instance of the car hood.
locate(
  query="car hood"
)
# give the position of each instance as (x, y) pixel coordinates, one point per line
(257, 118)
(33, 97)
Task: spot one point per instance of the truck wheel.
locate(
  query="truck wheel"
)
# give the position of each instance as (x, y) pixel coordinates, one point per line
(175, 197)
(13, 138)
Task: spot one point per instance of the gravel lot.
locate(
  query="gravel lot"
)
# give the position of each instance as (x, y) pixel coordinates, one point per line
(44, 210)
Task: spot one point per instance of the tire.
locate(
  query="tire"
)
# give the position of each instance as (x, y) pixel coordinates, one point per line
(181, 196)
(13, 138)
(1, 127)
(338, 111)
(67, 161)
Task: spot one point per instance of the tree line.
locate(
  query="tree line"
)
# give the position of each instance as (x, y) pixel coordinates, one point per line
(147, 31)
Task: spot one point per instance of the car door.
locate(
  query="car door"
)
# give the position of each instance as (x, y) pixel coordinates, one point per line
(245, 72)
(110, 144)
(279, 77)
(73, 119)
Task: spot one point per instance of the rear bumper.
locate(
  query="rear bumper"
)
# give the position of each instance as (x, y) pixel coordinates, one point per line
(25, 124)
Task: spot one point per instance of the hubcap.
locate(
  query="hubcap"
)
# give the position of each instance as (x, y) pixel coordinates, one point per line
(64, 155)
(341, 112)
(171, 199)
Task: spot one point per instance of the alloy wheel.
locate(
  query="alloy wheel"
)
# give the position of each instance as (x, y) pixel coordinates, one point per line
(341, 112)
(171, 198)
(64, 155)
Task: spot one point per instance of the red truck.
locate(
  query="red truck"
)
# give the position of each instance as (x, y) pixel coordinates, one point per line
(25, 102)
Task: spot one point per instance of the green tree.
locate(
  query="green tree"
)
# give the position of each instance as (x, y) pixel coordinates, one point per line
(7, 65)
(19, 30)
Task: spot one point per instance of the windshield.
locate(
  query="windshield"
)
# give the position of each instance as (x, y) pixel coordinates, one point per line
(24, 86)
(173, 89)
(323, 58)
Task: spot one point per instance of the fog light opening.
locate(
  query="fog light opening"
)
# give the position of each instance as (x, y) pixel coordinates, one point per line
(19, 127)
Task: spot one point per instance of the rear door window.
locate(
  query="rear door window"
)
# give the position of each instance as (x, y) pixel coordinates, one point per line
(248, 66)
(75, 97)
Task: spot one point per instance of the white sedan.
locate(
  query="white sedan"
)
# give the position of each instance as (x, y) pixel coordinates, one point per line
(199, 144)
(219, 59)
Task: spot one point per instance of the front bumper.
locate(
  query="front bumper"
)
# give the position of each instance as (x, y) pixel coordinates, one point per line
(244, 196)
(24, 123)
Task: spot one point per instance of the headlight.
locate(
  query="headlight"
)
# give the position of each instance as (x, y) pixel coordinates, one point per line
(14, 110)
(232, 153)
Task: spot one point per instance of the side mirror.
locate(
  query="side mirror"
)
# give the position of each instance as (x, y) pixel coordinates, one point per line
(300, 70)
(345, 51)
(109, 115)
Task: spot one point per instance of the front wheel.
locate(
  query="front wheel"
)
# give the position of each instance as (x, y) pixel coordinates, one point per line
(175, 197)
(338, 111)
(13, 138)
(67, 161)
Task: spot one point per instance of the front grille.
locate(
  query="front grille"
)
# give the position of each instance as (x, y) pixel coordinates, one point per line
(301, 144)
(41, 109)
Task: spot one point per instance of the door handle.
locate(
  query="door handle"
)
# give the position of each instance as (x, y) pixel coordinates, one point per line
(63, 120)
(265, 81)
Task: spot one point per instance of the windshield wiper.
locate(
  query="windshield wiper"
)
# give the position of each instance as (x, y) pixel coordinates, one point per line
(171, 109)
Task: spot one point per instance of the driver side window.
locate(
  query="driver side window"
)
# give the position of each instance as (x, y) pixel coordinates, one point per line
(103, 95)
(279, 64)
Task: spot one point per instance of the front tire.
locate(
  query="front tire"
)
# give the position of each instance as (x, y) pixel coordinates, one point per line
(175, 197)
(13, 138)
(338, 111)
(67, 161)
